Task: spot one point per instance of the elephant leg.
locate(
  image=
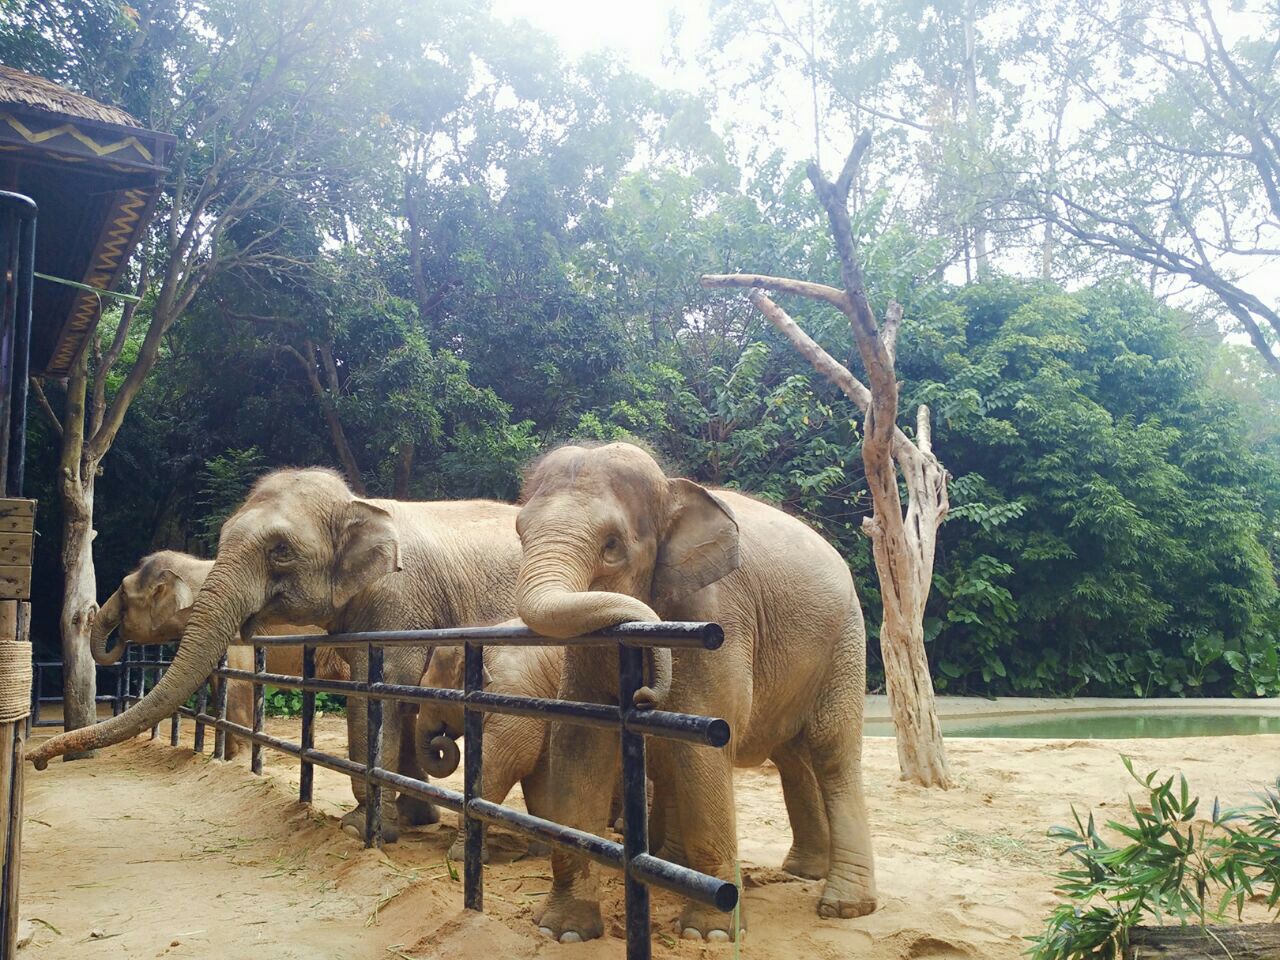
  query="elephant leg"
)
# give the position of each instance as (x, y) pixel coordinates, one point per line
(507, 760)
(810, 840)
(412, 811)
(239, 710)
(357, 749)
(582, 758)
(538, 800)
(664, 823)
(708, 829)
(834, 735)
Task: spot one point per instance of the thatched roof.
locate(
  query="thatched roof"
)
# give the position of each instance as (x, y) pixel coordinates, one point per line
(41, 94)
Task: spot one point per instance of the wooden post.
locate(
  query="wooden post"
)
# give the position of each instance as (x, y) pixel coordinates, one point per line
(17, 523)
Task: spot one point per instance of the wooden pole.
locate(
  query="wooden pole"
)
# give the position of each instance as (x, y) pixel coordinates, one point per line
(15, 625)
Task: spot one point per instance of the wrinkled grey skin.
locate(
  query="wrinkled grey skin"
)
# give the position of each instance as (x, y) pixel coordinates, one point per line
(304, 549)
(152, 605)
(608, 538)
(514, 746)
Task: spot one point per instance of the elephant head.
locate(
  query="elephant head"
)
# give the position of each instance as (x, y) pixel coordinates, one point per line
(151, 605)
(297, 551)
(607, 537)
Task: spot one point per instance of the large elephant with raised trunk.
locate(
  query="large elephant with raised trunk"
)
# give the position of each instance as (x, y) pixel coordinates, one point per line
(607, 538)
(304, 549)
(152, 606)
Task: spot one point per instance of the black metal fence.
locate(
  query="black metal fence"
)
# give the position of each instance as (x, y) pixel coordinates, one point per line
(128, 681)
(639, 867)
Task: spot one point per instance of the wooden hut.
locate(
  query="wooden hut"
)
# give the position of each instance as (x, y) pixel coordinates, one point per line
(94, 176)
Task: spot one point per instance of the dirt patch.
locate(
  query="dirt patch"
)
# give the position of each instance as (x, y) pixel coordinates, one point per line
(150, 851)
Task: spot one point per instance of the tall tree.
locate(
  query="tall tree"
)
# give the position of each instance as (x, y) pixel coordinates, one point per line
(255, 95)
(1181, 172)
(903, 548)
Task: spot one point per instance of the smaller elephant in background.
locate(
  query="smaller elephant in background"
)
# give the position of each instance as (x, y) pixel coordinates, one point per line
(515, 749)
(151, 606)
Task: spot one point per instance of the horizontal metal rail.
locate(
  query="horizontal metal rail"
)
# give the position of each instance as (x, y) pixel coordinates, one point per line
(639, 867)
(709, 731)
(672, 633)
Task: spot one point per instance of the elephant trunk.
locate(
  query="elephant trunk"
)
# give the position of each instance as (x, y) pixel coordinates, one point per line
(439, 756)
(554, 599)
(106, 621)
(222, 607)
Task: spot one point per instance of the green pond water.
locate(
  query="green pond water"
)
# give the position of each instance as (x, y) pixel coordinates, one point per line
(1108, 726)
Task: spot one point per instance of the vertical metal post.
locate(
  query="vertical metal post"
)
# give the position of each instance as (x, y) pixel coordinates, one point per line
(472, 773)
(37, 695)
(118, 705)
(635, 805)
(372, 790)
(220, 711)
(175, 731)
(259, 707)
(306, 775)
(155, 729)
(21, 356)
(202, 705)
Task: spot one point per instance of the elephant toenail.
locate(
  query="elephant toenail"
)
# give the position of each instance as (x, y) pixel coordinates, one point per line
(691, 933)
(717, 936)
(547, 931)
(570, 937)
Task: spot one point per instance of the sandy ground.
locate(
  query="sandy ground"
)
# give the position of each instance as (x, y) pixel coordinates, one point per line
(149, 851)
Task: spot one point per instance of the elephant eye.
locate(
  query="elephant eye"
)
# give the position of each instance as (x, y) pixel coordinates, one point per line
(281, 553)
(613, 549)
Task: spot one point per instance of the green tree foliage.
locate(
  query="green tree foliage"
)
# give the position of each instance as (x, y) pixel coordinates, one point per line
(1098, 479)
(485, 248)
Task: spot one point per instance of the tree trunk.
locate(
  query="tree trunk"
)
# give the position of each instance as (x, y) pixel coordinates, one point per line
(904, 564)
(903, 548)
(80, 600)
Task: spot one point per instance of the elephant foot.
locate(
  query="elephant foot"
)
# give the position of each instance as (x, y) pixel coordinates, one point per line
(806, 864)
(699, 922)
(570, 919)
(414, 812)
(353, 823)
(846, 898)
(458, 852)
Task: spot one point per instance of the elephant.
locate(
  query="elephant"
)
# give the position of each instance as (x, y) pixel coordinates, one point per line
(151, 606)
(607, 537)
(515, 746)
(303, 548)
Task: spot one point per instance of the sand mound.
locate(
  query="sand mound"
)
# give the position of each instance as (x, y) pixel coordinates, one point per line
(149, 851)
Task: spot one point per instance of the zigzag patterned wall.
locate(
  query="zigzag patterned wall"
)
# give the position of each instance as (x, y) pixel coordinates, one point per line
(117, 238)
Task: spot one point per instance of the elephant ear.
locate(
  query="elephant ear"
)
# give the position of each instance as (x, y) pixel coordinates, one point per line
(171, 601)
(368, 549)
(701, 542)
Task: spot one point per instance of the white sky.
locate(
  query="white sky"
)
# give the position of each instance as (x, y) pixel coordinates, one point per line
(636, 31)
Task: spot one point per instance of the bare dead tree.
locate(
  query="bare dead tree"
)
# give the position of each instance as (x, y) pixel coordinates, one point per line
(1199, 199)
(903, 546)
